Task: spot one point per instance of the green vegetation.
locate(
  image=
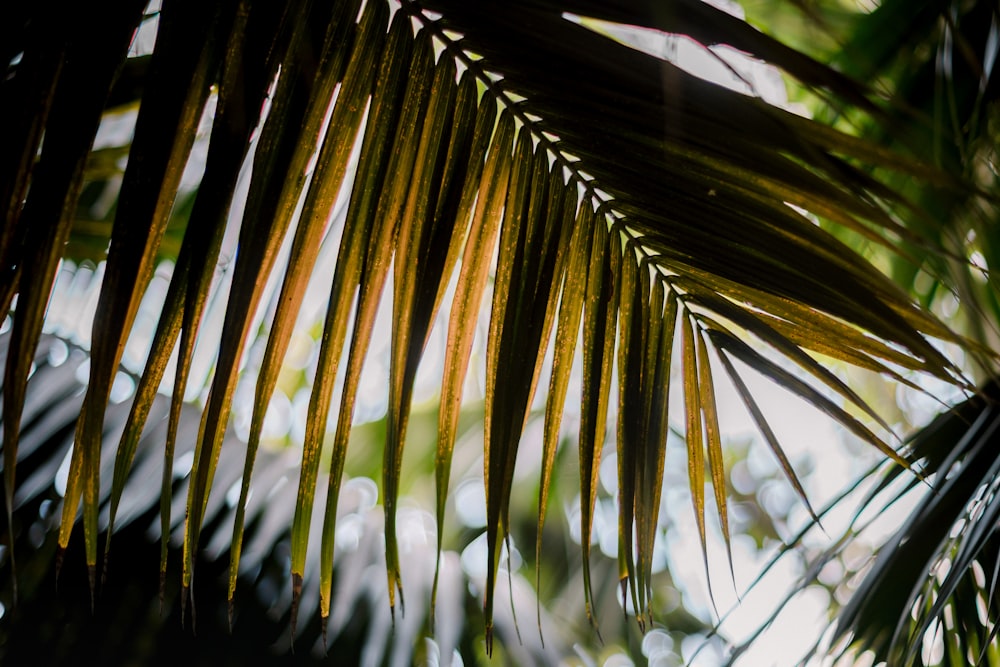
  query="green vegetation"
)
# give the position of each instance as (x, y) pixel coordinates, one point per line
(257, 255)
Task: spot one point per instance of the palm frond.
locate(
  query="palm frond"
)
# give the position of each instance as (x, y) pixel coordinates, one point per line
(47, 437)
(615, 190)
(928, 597)
(936, 566)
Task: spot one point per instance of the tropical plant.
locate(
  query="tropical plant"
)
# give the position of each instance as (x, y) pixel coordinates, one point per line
(929, 595)
(629, 214)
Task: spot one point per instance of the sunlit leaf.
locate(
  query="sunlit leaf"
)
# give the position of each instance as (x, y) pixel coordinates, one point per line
(599, 323)
(469, 291)
(694, 434)
(244, 86)
(713, 441)
(328, 175)
(567, 332)
(729, 343)
(384, 167)
(635, 193)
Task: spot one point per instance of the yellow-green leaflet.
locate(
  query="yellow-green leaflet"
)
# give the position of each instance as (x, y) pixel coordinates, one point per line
(657, 380)
(500, 440)
(599, 322)
(378, 197)
(713, 440)
(418, 266)
(328, 175)
(695, 435)
(633, 322)
(473, 126)
(567, 331)
(469, 293)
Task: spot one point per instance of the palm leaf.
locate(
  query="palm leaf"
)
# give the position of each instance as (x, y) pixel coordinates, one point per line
(46, 439)
(953, 521)
(634, 194)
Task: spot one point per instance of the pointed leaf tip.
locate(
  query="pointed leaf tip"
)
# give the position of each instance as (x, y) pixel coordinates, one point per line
(296, 599)
(60, 555)
(92, 582)
(162, 589)
(593, 623)
(184, 601)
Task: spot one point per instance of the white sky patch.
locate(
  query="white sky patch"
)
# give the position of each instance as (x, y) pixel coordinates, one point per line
(719, 64)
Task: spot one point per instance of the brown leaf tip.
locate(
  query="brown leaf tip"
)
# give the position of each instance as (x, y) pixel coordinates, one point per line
(60, 555)
(163, 589)
(104, 568)
(296, 599)
(322, 624)
(92, 582)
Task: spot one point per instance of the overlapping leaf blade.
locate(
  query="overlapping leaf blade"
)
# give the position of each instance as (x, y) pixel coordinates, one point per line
(385, 163)
(694, 434)
(178, 90)
(767, 432)
(571, 300)
(532, 242)
(650, 483)
(464, 167)
(729, 343)
(46, 219)
(659, 153)
(164, 135)
(346, 278)
(713, 442)
(469, 290)
(633, 331)
(314, 218)
(260, 233)
(599, 323)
